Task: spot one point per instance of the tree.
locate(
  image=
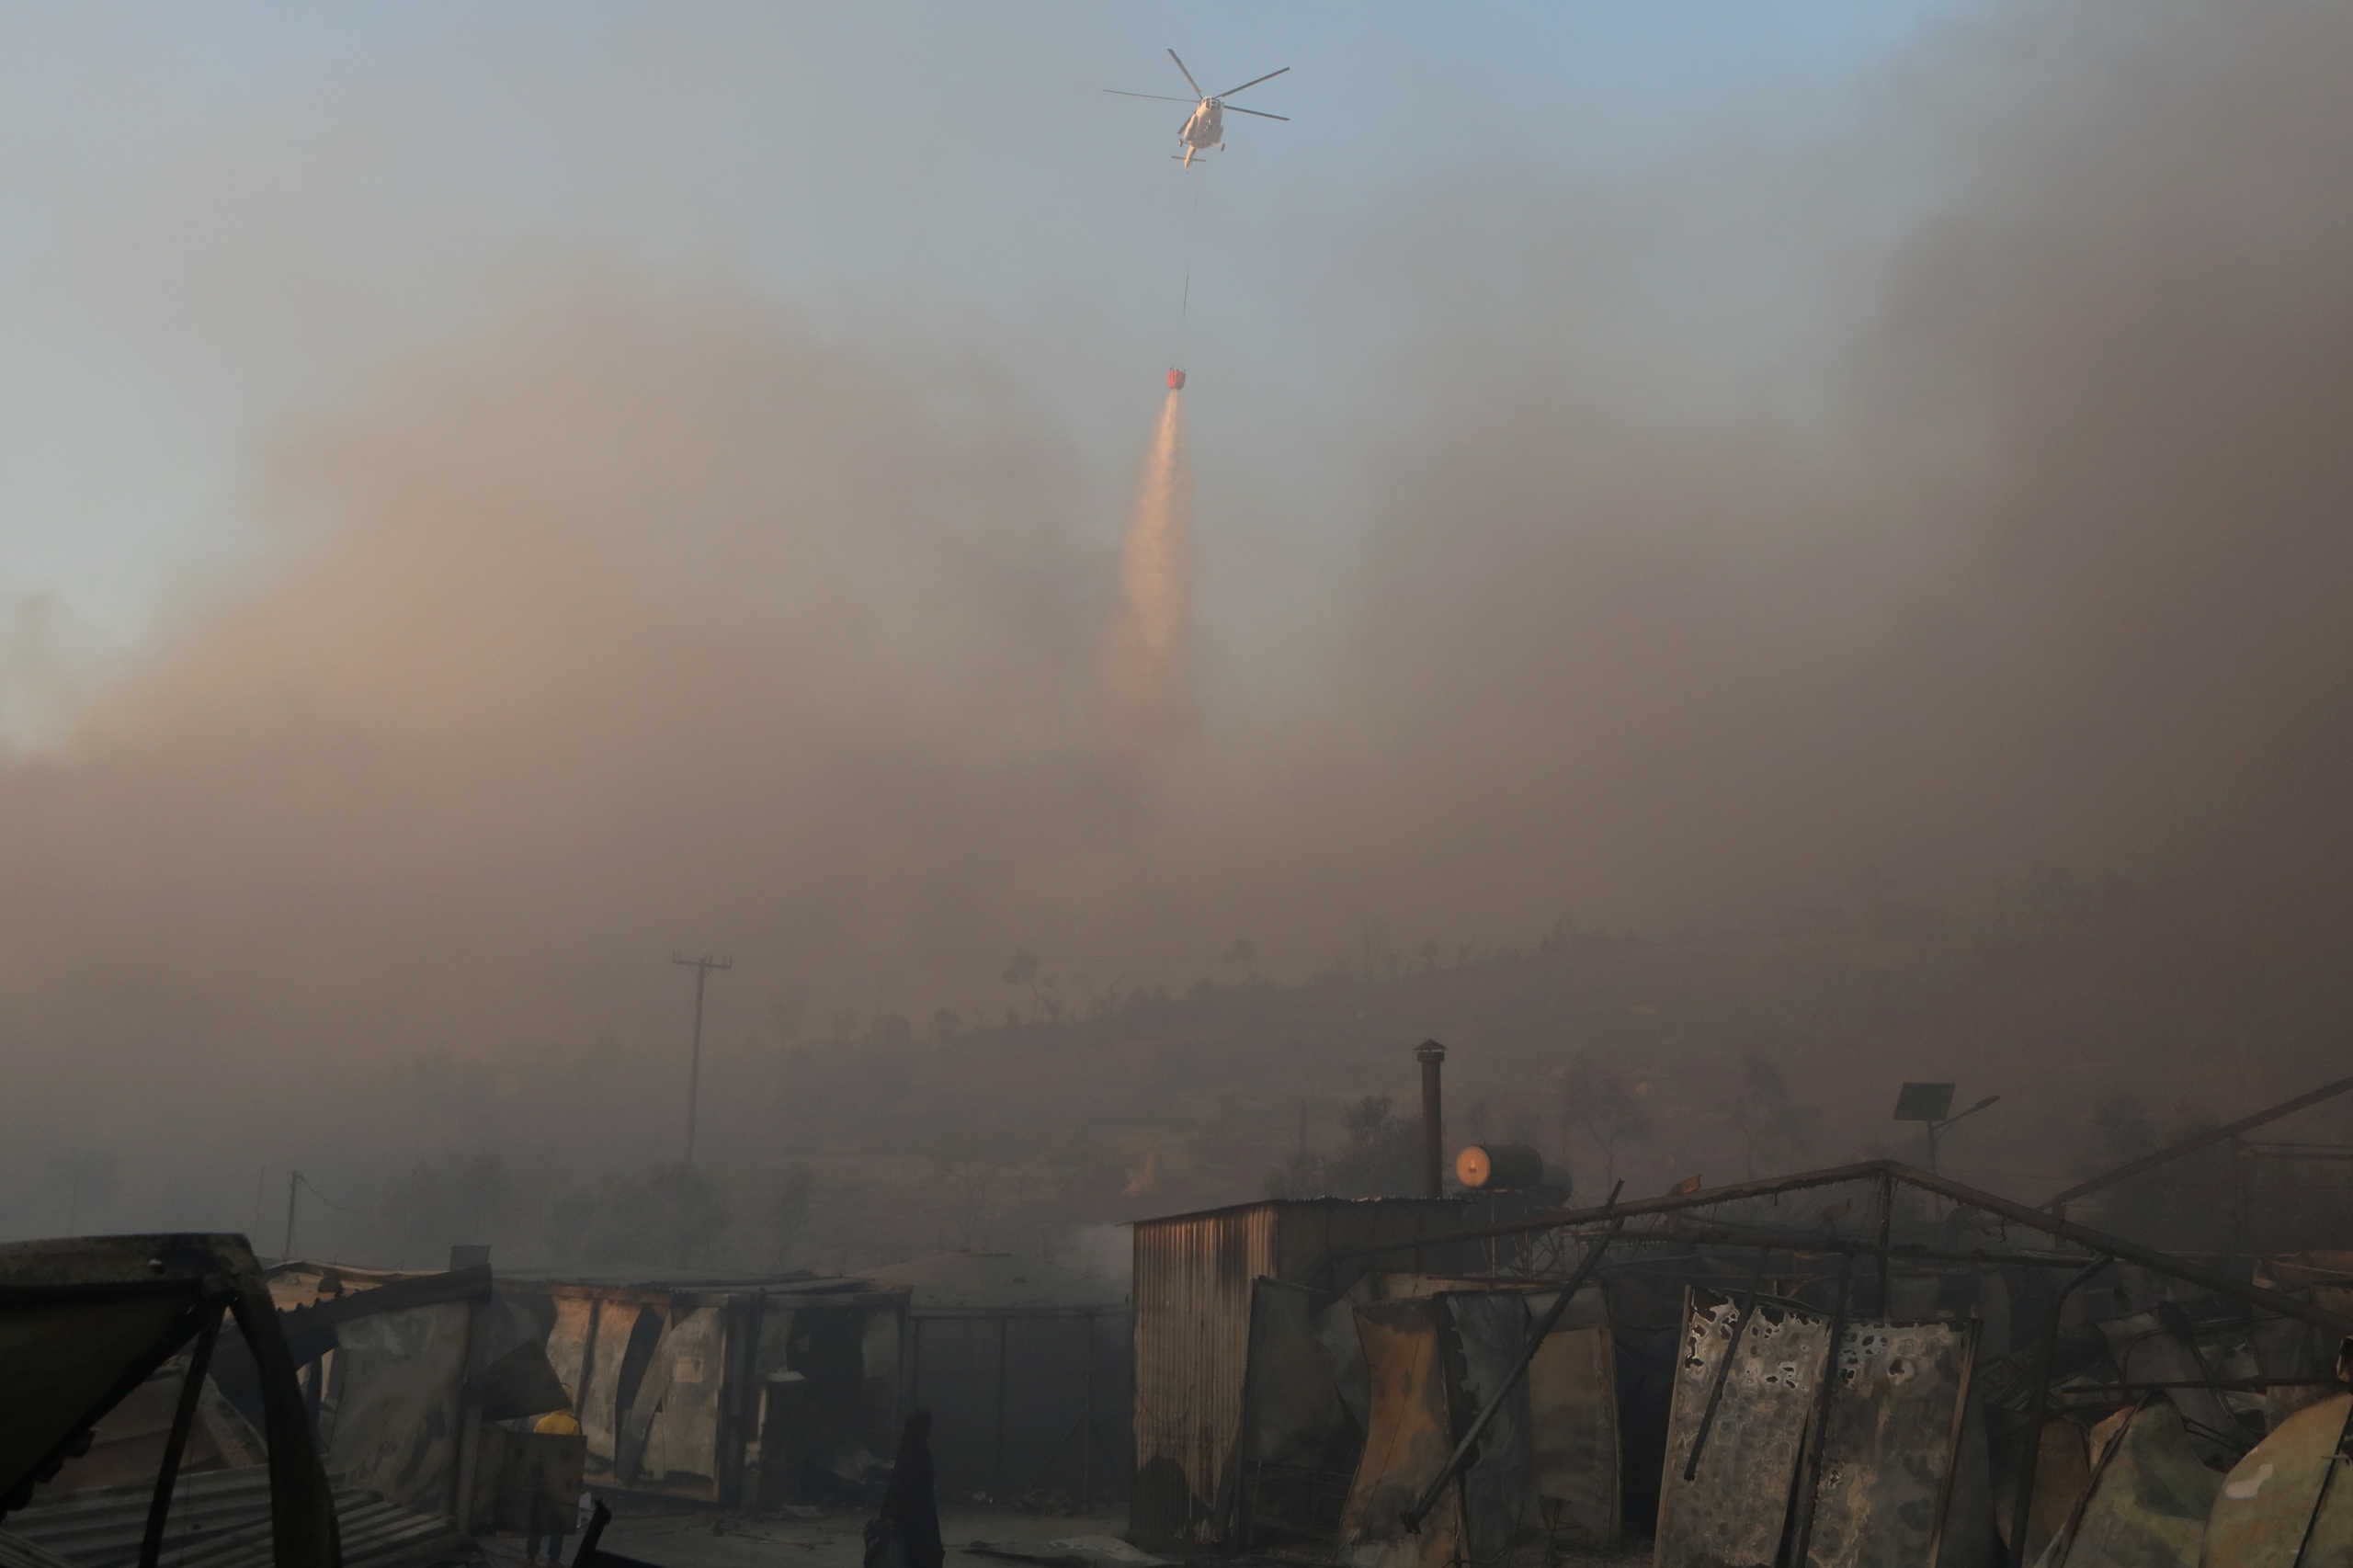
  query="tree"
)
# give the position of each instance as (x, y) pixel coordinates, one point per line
(1597, 1102)
(787, 1213)
(788, 1009)
(445, 1202)
(2185, 1205)
(1382, 1157)
(668, 1216)
(1024, 968)
(1769, 1122)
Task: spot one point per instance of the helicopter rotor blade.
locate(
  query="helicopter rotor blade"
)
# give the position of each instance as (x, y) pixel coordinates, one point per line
(1253, 81)
(1188, 76)
(1156, 98)
(1261, 114)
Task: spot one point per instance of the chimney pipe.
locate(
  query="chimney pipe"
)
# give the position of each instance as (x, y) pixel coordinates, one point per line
(1429, 1053)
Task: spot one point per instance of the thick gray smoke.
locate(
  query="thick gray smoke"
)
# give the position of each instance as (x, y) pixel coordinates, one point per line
(646, 621)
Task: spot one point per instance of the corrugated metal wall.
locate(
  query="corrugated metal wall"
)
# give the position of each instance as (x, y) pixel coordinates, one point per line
(1192, 1305)
(1192, 1331)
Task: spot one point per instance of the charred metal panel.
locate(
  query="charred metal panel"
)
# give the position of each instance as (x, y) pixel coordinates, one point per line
(59, 1362)
(1573, 1417)
(1489, 1333)
(1891, 1441)
(615, 1325)
(668, 1379)
(397, 1425)
(1336, 1331)
(682, 1426)
(1406, 1443)
(1731, 1513)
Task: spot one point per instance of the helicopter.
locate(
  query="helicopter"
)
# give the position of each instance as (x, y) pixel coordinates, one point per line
(1205, 126)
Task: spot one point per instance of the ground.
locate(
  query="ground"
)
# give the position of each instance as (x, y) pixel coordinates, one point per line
(836, 1539)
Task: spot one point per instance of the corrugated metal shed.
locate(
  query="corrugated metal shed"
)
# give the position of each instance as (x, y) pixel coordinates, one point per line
(221, 1520)
(1192, 1327)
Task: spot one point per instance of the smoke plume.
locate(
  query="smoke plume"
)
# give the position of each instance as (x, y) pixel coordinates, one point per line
(1717, 540)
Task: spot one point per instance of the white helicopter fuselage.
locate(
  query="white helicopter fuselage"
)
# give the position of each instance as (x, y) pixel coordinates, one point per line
(1204, 128)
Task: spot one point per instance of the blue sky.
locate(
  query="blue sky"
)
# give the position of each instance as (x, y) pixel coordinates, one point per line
(215, 219)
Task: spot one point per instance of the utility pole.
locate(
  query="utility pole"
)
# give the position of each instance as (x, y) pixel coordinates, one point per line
(287, 1251)
(703, 968)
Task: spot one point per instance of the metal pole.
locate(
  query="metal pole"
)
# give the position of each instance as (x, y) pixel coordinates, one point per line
(287, 1250)
(1716, 1388)
(1002, 1323)
(2240, 1174)
(1821, 1426)
(1886, 1224)
(2191, 1145)
(2220, 1281)
(915, 1362)
(2030, 1449)
(694, 1069)
(1536, 1336)
(1429, 1053)
(702, 966)
(1086, 1432)
(159, 1506)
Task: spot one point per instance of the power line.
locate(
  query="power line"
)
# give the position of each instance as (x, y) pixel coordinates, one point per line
(703, 968)
(312, 1187)
(295, 1181)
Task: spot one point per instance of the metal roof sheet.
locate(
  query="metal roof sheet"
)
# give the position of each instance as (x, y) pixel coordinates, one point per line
(221, 1520)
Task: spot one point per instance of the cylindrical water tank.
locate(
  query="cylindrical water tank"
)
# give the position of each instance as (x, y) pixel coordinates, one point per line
(1488, 1167)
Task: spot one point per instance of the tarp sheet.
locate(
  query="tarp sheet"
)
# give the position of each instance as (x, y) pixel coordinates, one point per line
(1295, 1410)
(1407, 1439)
(2149, 1496)
(1296, 1428)
(2290, 1494)
(1573, 1408)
